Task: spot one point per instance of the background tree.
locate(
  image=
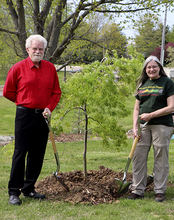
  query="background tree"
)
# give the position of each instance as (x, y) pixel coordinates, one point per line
(149, 34)
(157, 52)
(7, 56)
(56, 22)
(170, 35)
(170, 58)
(93, 38)
(113, 39)
(87, 44)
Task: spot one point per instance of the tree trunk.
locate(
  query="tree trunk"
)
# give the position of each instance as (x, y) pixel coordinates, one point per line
(85, 144)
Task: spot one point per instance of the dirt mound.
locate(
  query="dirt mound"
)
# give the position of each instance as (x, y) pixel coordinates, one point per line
(100, 187)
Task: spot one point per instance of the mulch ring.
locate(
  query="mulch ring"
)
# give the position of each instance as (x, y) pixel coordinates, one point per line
(100, 187)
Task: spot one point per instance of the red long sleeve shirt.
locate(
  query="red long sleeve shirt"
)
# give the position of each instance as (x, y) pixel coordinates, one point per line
(32, 87)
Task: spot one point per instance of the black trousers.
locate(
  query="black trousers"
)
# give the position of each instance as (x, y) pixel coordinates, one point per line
(31, 136)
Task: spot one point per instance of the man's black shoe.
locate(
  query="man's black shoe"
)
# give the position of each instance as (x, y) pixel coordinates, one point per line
(34, 195)
(14, 200)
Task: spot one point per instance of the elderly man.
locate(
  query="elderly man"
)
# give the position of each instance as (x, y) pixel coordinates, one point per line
(34, 87)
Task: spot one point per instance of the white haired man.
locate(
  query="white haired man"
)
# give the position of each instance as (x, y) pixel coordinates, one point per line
(34, 87)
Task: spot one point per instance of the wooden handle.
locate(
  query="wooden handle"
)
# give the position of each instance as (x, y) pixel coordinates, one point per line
(133, 147)
(53, 142)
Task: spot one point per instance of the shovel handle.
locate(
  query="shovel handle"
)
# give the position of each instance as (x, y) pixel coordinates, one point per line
(48, 121)
(136, 141)
(55, 151)
(53, 142)
(133, 147)
(51, 132)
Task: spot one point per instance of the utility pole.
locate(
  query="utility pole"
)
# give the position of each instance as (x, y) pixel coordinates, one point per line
(64, 78)
(163, 38)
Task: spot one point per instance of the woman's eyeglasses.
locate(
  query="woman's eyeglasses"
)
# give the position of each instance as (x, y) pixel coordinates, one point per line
(151, 67)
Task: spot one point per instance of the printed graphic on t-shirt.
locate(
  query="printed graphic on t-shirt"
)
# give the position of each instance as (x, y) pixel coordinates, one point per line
(150, 91)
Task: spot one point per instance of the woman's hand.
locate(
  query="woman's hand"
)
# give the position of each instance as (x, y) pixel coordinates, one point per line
(135, 131)
(146, 116)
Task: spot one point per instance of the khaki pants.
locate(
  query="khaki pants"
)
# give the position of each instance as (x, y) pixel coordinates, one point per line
(159, 136)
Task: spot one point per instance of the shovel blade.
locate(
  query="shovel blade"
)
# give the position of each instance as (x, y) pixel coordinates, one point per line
(119, 183)
(123, 185)
(61, 181)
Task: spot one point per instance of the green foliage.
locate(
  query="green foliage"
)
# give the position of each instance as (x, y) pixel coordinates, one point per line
(7, 57)
(149, 34)
(113, 39)
(170, 58)
(105, 98)
(170, 35)
(93, 37)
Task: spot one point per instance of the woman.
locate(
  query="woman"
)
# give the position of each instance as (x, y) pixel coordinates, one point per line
(155, 103)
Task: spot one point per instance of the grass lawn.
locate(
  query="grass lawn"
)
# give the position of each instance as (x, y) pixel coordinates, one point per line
(71, 158)
(2, 80)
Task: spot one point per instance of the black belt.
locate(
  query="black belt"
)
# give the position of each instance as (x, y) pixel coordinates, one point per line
(37, 110)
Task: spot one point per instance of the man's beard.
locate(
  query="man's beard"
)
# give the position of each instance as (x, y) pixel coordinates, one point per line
(37, 58)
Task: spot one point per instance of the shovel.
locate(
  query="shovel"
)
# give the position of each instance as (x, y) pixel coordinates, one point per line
(48, 121)
(124, 185)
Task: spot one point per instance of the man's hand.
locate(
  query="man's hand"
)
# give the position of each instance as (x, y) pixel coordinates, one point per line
(46, 110)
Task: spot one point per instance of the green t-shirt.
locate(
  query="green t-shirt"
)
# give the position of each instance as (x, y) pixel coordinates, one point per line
(153, 95)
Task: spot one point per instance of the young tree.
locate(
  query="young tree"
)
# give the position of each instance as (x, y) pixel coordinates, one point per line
(101, 98)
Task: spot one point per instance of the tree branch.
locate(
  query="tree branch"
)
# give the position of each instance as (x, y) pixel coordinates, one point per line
(10, 32)
(77, 124)
(75, 24)
(56, 27)
(13, 13)
(78, 60)
(94, 42)
(40, 17)
(14, 47)
(71, 110)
